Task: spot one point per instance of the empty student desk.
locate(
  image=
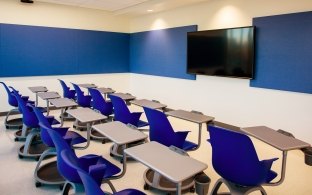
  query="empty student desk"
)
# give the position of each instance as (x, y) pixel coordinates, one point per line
(87, 85)
(47, 96)
(63, 104)
(37, 90)
(105, 91)
(192, 117)
(126, 97)
(278, 141)
(88, 116)
(170, 164)
(120, 134)
(149, 104)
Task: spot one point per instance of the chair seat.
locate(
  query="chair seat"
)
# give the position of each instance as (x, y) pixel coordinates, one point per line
(188, 145)
(129, 192)
(111, 169)
(75, 137)
(142, 123)
(271, 176)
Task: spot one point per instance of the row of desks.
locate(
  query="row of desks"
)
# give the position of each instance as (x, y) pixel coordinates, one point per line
(166, 160)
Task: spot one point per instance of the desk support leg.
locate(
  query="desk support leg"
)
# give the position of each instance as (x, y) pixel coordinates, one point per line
(36, 99)
(88, 138)
(48, 109)
(283, 171)
(124, 164)
(199, 136)
(62, 117)
(179, 188)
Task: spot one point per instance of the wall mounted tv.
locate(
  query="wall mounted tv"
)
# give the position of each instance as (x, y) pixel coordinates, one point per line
(223, 52)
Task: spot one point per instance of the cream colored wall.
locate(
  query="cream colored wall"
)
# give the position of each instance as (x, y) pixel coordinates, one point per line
(52, 15)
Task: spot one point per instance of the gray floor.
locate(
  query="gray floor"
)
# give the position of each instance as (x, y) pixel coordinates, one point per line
(17, 174)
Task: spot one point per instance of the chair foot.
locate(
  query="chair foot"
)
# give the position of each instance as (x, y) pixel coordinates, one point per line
(38, 184)
(146, 186)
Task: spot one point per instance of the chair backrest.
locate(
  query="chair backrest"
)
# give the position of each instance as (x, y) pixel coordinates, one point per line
(91, 187)
(45, 137)
(160, 127)
(66, 90)
(11, 98)
(66, 171)
(82, 100)
(234, 156)
(121, 110)
(99, 103)
(29, 117)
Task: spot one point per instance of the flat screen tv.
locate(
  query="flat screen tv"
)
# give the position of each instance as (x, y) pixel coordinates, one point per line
(223, 52)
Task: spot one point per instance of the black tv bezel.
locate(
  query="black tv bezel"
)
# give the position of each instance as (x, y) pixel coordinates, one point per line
(227, 76)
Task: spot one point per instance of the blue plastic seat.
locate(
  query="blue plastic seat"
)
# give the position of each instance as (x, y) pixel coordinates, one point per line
(82, 100)
(91, 184)
(99, 103)
(162, 131)
(123, 114)
(67, 92)
(71, 137)
(13, 102)
(235, 159)
(86, 162)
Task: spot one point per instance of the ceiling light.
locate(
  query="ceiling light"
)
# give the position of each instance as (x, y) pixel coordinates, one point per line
(150, 10)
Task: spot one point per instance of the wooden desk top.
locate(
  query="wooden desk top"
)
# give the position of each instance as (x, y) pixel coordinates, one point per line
(124, 96)
(148, 103)
(275, 139)
(87, 85)
(104, 90)
(86, 115)
(190, 116)
(37, 89)
(168, 163)
(63, 102)
(119, 133)
(48, 95)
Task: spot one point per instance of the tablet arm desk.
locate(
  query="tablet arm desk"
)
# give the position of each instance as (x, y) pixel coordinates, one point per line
(277, 140)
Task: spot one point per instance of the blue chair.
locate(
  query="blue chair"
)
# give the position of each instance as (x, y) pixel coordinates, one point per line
(67, 92)
(33, 146)
(102, 106)
(162, 131)
(16, 123)
(71, 137)
(235, 159)
(82, 100)
(86, 163)
(91, 185)
(122, 113)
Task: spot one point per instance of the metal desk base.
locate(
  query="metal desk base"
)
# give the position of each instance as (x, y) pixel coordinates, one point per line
(157, 181)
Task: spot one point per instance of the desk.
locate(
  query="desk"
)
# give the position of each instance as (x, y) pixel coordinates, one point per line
(86, 115)
(63, 104)
(278, 141)
(87, 85)
(120, 134)
(124, 96)
(192, 117)
(36, 90)
(148, 103)
(48, 95)
(105, 91)
(174, 166)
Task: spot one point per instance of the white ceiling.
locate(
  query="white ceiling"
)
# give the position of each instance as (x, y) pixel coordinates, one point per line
(126, 7)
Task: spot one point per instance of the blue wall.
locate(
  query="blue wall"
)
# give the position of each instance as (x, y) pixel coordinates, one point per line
(37, 51)
(160, 52)
(284, 52)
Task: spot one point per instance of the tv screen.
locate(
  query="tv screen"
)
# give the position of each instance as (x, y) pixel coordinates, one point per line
(223, 52)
